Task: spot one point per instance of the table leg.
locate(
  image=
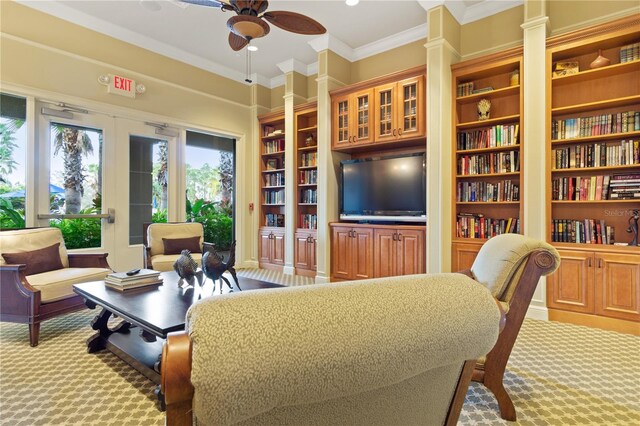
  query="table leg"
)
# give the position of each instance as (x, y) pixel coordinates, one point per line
(98, 341)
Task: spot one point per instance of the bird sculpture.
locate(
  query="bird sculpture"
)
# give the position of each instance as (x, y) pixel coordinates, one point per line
(214, 267)
(187, 268)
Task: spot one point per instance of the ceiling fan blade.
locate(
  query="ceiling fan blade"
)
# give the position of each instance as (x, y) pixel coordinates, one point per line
(211, 3)
(236, 42)
(294, 22)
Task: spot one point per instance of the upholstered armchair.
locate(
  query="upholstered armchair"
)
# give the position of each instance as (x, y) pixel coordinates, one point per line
(387, 351)
(163, 243)
(510, 266)
(37, 276)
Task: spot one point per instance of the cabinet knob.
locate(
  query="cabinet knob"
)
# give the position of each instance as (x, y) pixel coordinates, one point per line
(394, 236)
(400, 131)
(399, 237)
(394, 132)
(599, 263)
(589, 263)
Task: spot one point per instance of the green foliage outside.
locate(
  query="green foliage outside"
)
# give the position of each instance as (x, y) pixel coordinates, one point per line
(9, 216)
(217, 223)
(80, 233)
(159, 217)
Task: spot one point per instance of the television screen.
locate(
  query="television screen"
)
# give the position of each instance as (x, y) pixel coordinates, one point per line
(386, 186)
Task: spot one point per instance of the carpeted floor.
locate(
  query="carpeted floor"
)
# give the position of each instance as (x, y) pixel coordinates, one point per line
(558, 374)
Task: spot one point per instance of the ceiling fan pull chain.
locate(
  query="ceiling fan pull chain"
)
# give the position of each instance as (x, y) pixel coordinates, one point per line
(248, 80)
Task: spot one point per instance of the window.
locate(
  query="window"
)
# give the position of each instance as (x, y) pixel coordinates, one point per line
(13, 146)
(210, 183)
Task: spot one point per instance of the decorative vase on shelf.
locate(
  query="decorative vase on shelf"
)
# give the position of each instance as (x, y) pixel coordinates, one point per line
(600, 61)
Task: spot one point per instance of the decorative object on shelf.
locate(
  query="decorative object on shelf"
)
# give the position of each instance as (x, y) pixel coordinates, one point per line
(633, 228)
(484, 109)
(514, 78)
(310, 141)
(187, 268)
(561, 69)
(272, 164)
(600, 61)
(214, 267)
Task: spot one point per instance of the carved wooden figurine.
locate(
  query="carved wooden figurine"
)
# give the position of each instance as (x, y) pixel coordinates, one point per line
(214, 267)
(187, 268)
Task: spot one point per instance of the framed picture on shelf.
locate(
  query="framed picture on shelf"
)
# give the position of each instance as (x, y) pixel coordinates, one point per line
(272, 164)
(565, 68)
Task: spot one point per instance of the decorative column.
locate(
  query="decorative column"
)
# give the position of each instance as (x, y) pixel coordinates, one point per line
(442, 51)
(534, 154)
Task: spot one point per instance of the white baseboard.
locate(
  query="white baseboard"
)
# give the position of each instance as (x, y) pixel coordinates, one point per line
(249, 264)
(289, 270)
(322, 280)
(538, 313)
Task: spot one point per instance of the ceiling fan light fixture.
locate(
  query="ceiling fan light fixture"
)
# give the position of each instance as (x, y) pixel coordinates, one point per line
(248, 26)
(252, 48)
(352, 2)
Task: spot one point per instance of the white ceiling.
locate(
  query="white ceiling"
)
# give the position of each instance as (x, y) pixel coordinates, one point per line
(198, 35)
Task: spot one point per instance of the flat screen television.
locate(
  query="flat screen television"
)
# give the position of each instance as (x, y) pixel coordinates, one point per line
(384, 189)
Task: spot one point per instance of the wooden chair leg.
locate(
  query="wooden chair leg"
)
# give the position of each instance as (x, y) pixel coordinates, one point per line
(34, 333)
(507, 409)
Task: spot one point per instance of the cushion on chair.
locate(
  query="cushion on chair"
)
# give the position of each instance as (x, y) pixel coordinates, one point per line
(57, 285)
(37, 261)
(255, 352)
(25, 240)
(501, 260)
(162, 262)
(176, 245)
(157, 231)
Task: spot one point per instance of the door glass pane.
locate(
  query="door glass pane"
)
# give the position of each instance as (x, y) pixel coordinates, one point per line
(210, 182)
(385, 113)
(148, 184)
(363, 117)
(13, 146)
(75, 183)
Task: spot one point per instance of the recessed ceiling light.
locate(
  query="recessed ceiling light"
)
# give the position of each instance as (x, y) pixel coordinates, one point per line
(252, 48)
(352, 2)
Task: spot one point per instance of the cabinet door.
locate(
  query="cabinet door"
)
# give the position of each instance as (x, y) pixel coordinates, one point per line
(361, 104)
(313, 256)
(411, 114)
(618, 285)
(571, 287)
(341, 247)
(385, 253)
(302, 251)
(340, 113)
(385, 112)
(410, 252)
(277, 255)
(362, 259)
(463, 256)
(264, 256)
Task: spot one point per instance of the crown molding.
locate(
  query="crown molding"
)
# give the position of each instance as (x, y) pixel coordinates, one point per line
(276, 81)
(391, 42)
(292, 65)
(329, 42)
(486, 8)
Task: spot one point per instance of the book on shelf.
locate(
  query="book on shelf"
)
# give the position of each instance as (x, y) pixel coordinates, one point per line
(585, 231)
(483, 90)
(475, 225)
(630, 52)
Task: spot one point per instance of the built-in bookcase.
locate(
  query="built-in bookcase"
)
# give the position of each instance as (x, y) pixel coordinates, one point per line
(487, 148)
(306, 142)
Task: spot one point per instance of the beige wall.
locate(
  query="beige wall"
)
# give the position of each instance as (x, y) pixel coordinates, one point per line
(569, 15)
(312, 87)
(277, 98)
(398, 59)
(497, 32)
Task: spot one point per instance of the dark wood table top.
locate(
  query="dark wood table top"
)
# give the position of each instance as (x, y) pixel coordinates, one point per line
(159, 309)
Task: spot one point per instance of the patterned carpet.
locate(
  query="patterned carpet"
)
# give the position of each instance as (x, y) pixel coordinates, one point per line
(558, 374)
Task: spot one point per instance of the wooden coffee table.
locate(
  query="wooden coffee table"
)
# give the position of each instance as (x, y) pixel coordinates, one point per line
(148, 315)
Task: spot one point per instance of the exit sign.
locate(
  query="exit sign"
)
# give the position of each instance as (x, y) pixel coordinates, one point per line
(119, 85)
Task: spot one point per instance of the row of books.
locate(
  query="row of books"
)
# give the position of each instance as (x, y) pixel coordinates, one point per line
(274, 196)
(496, 162)
(309, 196)
(308, 176)
(276, 145)
(502, 135)
(309, 221)
(586, 231)
(274, 179)
(621, 153)
(630, 52)
(504, 190)
(308, 159)
(274, 219)
(121, 281)
(593, 188)
(465, 89)
(605, 124)
(475, 225)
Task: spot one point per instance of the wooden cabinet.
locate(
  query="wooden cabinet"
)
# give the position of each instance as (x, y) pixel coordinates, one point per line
(487, 150)
(398, 252)
(305, 253)
(590, 194)
(372, 251)
(399, 110)
(351, 252)
(389, 109)
(271, 254)
(596, 283)
(352, 119)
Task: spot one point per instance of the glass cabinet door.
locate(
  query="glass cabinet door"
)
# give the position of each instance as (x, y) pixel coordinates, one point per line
(362, 124)
(385, 120)
(411, 120)
(341, 121)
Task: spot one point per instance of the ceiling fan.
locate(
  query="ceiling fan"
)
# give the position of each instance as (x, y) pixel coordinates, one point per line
(249, 22)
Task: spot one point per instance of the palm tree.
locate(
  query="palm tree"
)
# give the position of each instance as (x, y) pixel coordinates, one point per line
(162, 176)
(7, 146)
(74, 143)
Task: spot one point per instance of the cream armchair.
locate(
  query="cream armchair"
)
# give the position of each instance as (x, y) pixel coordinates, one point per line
(37, 276)
(388, 351)
(163, 243)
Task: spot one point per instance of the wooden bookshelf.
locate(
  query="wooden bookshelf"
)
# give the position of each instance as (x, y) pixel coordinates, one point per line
(487, 171)
(593, 132)
(272, 191)
(306, 143)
